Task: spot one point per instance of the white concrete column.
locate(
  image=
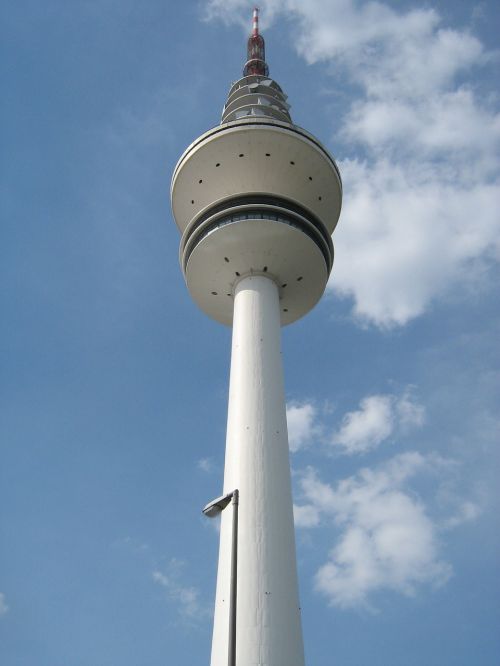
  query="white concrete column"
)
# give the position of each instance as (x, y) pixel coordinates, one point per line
(269, 629)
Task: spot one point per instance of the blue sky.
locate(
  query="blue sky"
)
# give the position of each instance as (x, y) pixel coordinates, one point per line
(114, 386)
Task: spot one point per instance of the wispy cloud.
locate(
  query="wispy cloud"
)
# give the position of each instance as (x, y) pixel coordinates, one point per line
(186, 597)
(367, 427)
(302, 424)
(465, 512)
(388, 538)
(378, 418)
(4, 609)
(421, 146)
(375, 421)
(206, 465)
(306, 515)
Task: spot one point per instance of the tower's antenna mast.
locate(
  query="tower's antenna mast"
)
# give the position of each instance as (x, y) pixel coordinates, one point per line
(256, 51)
(255, 30)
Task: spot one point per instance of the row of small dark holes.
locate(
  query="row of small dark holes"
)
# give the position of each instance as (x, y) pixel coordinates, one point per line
(242, 155)
(214, 293)
(284, 285)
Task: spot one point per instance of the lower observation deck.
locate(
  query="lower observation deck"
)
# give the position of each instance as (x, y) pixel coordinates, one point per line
(256, 197)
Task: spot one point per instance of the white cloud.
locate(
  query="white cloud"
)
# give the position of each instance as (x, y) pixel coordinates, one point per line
(411, 233)
(4, 609)
(376, 420)
(466, 512)
(420, 215)
(305, 516)
(205, 465)
(186, 598)
(421, 187)
(410, 413)
(301, 420)
(387, 540)
(368, 427)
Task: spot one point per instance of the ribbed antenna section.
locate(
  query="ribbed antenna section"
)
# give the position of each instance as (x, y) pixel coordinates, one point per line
(256, 94)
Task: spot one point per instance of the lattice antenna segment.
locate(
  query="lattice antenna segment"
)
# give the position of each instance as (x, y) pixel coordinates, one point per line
(256, 51)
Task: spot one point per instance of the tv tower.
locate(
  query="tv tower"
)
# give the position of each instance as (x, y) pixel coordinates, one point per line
(256, 200)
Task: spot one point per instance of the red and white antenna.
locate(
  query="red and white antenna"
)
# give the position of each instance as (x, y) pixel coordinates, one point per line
(255, 30)
(256, 51)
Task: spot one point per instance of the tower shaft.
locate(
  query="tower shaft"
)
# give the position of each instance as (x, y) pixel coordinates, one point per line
(257, 463)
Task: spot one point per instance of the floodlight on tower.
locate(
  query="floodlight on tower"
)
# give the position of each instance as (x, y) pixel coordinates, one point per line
(256, 200)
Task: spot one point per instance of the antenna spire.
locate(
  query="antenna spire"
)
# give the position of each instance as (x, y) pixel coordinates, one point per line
(256, 51)
(255, 26)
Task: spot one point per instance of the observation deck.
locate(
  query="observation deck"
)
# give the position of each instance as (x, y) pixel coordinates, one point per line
(256, 195)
